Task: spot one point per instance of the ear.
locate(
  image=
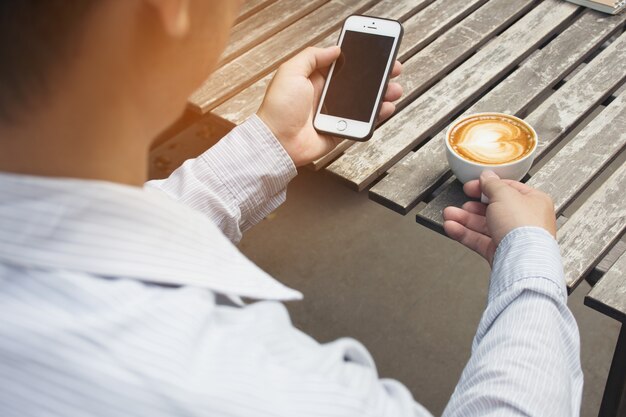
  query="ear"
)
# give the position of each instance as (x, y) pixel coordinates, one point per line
(174, 16)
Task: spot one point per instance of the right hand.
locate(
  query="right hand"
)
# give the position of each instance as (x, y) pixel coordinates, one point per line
(512, 204)
(291, 99)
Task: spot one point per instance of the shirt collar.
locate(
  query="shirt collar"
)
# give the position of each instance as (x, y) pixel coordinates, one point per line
(114, 230)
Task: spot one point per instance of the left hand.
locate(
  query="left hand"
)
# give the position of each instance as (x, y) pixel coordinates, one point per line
(482, 227)
(291, 101)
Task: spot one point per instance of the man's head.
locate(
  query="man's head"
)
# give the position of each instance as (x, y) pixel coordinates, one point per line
(85, 85)
(48, 46)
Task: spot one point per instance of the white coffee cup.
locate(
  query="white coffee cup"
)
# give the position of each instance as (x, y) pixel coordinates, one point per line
(466, 170)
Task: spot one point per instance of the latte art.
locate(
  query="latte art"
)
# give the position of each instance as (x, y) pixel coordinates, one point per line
(491, 139)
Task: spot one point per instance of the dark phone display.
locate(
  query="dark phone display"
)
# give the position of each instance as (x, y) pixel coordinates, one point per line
(357, 76)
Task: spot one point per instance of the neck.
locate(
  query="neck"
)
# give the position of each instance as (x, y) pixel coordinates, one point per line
(95, 141)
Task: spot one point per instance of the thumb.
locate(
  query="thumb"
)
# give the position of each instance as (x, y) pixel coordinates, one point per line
(492, 186)
(311, 59)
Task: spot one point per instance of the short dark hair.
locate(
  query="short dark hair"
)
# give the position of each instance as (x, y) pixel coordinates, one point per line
(36, 38)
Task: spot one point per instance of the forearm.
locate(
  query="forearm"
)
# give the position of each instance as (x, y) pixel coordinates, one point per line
(237, 182)
(526, 354)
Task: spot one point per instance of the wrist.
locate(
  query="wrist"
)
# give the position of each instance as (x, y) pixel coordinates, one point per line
(288, 145)
(270, 126)
(526, 252)
(275, 146)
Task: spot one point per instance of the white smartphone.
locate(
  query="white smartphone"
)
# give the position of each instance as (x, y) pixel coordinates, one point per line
(357, 80)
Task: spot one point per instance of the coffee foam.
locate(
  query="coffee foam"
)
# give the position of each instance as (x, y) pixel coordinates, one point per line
(491, 139)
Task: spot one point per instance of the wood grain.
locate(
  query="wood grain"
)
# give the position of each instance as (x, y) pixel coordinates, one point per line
(264, 24)
(435, 61)
(607, 262)
(245, 103)
(593, 228)
(363, 163)
(259, 61)
(417, 174)
(421, 29)
(252, 6)
(558, 115)
(609, 295)
(582, 159)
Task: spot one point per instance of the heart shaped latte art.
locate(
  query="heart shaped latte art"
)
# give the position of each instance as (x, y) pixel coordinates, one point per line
(491, 141)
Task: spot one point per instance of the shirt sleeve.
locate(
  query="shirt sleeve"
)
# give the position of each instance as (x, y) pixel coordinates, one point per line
(526, 354)
(237, 182)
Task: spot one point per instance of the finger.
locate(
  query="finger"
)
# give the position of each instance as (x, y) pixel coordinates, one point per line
(329, 143)
(317, 79)
(472, 221)
(472, 189)
(493, 187)
(475, 241)
(394, 92)
(386, 110)
(397, 69)
(519, 186)
(311, 59)
(475, 207)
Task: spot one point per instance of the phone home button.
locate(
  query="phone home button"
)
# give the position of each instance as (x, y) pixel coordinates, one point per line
(341, 125)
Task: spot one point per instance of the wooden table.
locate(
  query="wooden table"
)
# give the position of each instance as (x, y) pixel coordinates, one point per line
(559, 66)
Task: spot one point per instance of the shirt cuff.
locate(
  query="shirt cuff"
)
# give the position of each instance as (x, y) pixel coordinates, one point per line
(254, 167)
(527, 254)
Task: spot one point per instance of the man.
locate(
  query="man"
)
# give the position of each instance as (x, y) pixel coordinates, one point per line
(119, 299)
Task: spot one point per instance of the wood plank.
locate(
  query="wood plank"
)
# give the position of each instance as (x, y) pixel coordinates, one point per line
(254, 64)
(596, 226)
(421, 29)
(450, 49)
(250, 7)
(265, 23)
(610, 258)
(416, 175)
(432, 63)
(582, 159)
(451, 194)
(558, 115)
(364, 162)
(608, 296)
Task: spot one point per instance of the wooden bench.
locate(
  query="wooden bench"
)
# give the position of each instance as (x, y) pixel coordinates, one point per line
(608, 296)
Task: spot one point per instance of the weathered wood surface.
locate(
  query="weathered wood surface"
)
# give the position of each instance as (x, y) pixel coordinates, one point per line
(259, 61)
(608, 296)
(432, 63)
(364, 162)
(611, 257)
(556, 116)
(424, 26)
(419, 173)
(250, 7)
(265, 23)
(593, 228)
(580, 161)
(421, 29)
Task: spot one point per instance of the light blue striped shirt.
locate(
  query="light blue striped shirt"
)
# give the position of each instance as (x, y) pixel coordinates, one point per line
(121, 301)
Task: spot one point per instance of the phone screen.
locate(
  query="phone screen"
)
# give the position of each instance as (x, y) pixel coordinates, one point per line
(357, 76)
